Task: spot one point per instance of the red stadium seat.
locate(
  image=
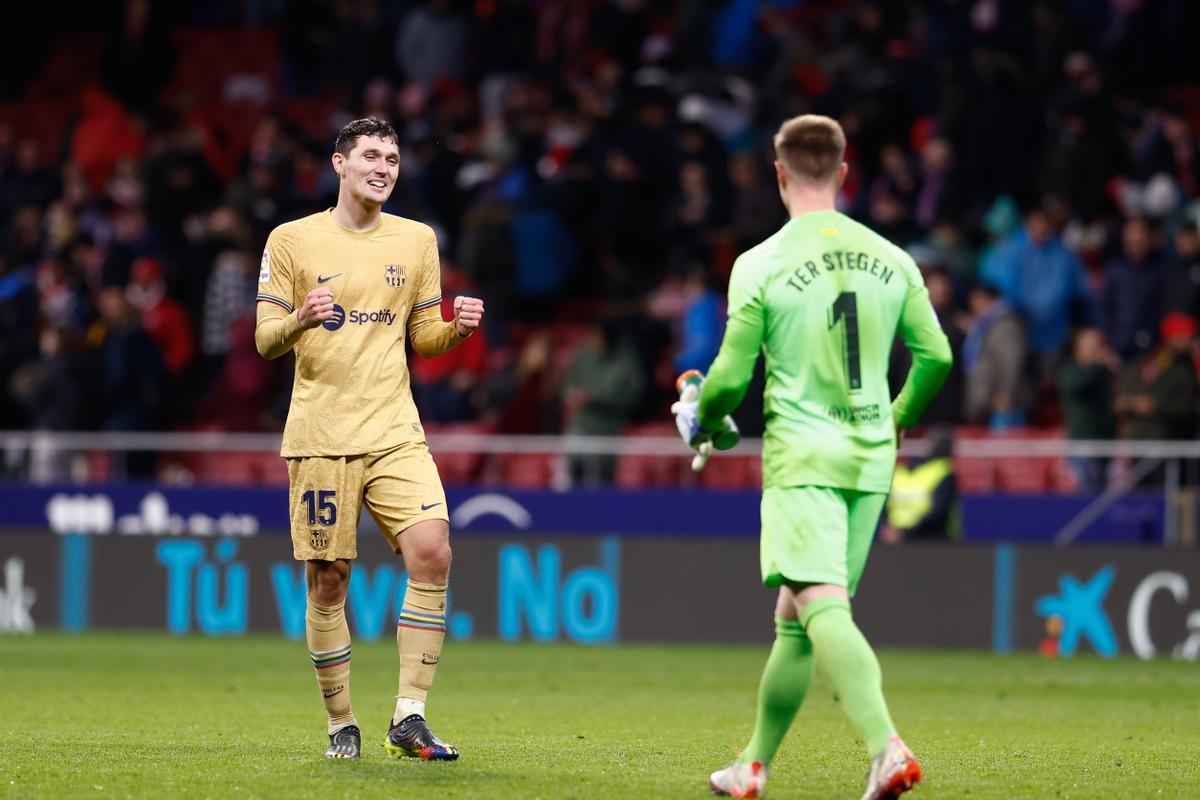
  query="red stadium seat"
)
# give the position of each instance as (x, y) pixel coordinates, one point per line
(975, 474)
(1023, 474)
(99, 465)
(458, 468)
(633, 472)
(270, 469)
(236, 469)
(640, 471)
(1062, 478)
(648, 471)
(208, 58)
(732, 473)
(527, 470)
(224, 468)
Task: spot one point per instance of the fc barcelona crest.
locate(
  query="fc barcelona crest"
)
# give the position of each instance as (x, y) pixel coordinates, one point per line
(394, 275)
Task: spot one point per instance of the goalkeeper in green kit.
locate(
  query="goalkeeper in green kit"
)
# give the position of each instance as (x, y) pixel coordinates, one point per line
(822, 299)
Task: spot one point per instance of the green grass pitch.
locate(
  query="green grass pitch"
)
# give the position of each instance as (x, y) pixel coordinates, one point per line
(147, 715)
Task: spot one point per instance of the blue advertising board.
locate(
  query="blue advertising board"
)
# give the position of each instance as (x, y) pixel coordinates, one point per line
(149, 509)
(589, 567)
(603, 589)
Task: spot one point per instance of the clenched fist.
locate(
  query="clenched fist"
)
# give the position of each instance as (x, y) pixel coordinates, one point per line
(317, 307)
(468, 313)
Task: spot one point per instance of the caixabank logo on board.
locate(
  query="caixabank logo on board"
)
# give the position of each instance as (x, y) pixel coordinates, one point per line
(1159, 614)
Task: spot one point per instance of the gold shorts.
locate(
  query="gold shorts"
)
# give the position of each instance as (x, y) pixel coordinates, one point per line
(400, 487)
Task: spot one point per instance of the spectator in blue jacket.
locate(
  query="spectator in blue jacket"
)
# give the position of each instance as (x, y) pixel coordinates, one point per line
(702, 323)
(1132, 305)
(1044, 281)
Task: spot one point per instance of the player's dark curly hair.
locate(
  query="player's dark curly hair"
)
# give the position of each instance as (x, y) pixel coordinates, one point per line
(369, 126)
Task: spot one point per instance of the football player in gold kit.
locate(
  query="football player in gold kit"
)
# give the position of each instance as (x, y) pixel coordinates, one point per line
(344, 289)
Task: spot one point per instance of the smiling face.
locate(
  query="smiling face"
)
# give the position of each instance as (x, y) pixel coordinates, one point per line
(368, 172)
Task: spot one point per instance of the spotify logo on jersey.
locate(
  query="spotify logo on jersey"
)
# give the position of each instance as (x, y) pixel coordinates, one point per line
(337, 320)
(384, 316)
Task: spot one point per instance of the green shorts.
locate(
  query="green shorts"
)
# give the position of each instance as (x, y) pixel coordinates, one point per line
(817, 534)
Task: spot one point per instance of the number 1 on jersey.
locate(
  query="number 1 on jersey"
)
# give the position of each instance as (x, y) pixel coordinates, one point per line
(846, 307)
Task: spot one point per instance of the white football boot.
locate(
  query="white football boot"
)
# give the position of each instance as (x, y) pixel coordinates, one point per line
(740, 780)
(893, 772)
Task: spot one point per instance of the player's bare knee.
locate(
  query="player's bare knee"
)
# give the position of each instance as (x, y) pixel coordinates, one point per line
(441, 563)
(426, 550)
(430, 564)
(785, 604)
(805, 593)
(327, 581)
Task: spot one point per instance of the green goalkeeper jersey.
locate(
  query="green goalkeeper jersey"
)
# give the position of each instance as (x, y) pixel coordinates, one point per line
(823, 299)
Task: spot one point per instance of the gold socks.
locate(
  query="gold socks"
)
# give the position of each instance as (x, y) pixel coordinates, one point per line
(419, 636)
(329, 647)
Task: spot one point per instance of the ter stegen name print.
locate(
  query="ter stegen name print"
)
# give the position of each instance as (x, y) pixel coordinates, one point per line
(804, 276)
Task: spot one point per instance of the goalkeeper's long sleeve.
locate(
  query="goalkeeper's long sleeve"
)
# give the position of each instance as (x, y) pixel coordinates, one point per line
(931, 354)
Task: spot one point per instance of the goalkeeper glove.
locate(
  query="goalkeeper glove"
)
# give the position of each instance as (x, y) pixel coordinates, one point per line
(687, 421)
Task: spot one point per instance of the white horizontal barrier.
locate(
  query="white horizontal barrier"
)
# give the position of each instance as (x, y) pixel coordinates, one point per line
(177, 442)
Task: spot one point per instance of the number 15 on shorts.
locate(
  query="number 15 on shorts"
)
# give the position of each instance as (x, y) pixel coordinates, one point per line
(321, 508)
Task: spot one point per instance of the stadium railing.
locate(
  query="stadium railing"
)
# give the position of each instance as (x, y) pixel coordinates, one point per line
(648, 457)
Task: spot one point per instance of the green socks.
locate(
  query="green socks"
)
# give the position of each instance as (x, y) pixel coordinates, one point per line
(784, 683)
(849, 663)
(826, 634)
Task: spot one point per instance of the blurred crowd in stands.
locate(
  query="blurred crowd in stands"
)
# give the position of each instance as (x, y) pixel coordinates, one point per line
(593, 169)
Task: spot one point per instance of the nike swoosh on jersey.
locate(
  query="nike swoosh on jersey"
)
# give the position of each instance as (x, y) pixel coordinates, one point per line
(427, 507)
(327, 280)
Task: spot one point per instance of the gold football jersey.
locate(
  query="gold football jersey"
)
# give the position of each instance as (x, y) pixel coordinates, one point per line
(351, 393)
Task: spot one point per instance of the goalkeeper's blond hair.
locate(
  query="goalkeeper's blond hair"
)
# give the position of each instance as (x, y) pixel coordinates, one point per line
(811, 147)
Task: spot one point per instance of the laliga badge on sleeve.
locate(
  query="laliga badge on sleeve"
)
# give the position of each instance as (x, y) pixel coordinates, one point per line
(264, 270)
